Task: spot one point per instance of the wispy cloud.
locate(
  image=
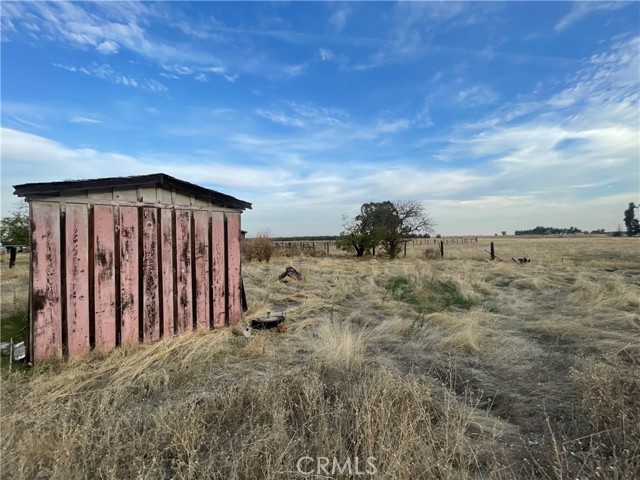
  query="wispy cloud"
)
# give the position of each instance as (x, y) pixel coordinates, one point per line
(477, 95)
(104, 71)
(280, 118)
(581, 9)
(81, 119)
(119, 26)
(338, 19)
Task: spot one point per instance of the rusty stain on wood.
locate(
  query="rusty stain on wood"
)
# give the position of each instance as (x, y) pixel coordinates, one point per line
(150, 294)
(129, 275)
(218, 287)
(104, 277)
(77, 278)
(184, 280)
(46, 315)
(233, 267)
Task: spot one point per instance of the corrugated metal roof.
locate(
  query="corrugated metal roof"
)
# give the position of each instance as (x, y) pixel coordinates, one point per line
(155, 179)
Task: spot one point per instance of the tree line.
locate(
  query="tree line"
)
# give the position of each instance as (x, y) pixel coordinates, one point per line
(540, 230)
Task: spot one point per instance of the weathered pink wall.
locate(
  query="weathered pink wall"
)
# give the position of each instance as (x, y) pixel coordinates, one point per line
(201, 244)
(129, 275)
(150, 274)
(46, 314)
(184, 272)
(219, 292)
(112, 275)
(104, 279)
(77, 276)
(233, 268)
(167, 270)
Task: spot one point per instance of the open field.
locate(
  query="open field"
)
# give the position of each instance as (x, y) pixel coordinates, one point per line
(452, 368)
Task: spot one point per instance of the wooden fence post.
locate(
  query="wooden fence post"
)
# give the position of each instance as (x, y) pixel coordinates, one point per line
(441, 249)
(493, 254)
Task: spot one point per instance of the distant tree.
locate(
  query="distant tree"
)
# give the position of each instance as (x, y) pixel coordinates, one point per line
(354, 236)
(14, 229)
(386, 224)
(630, 220)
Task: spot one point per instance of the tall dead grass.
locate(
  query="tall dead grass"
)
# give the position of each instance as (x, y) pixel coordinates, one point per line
(455, 368)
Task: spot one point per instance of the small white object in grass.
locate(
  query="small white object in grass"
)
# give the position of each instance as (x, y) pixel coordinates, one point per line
(241, 330)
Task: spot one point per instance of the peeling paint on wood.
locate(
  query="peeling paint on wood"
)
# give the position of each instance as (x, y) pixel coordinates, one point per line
(150, 293)
(104, 277)
(233, 267)
(129, 295)
(167, 272)
(77, 278)
(184, 280)
(218, 288)
(46, 309)
(114, 271)
(201, 232)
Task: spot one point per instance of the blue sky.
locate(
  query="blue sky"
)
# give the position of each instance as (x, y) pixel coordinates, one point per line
(497, 116)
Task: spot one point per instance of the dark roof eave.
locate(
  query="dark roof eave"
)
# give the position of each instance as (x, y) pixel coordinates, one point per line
(156, 179)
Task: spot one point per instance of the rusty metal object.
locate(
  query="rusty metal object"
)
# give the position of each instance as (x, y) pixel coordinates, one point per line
(290, 272)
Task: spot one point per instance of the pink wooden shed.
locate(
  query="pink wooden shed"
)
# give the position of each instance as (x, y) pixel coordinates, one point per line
(122, 260)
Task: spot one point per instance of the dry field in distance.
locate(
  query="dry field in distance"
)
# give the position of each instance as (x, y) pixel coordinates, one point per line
(451, 368)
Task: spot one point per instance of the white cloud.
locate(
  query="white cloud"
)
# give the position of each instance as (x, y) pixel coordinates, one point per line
(201, 77)
(107, 47)
(338, 19)
(325, 54)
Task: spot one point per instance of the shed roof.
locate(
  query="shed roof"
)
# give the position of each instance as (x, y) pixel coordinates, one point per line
(161, 180)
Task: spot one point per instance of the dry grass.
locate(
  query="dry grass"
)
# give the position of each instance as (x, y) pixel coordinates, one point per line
(439, 368)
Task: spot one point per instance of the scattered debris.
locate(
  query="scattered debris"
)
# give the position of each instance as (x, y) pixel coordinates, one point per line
(267, 322)
(281, 328)
(521, 260)
(289, 274)
(241, 330)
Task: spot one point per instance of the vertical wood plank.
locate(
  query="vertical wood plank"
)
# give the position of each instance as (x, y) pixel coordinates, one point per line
(184, 280)
(46, 310)
(218, 288)
(201, 232)
(129, 275)
(104, 277)
(166, 250)
(151, 301)
(233, 267)
(77, 278)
